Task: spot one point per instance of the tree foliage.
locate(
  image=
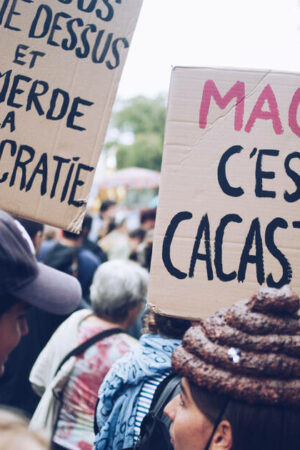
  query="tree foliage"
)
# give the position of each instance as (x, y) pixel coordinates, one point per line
(144, 118)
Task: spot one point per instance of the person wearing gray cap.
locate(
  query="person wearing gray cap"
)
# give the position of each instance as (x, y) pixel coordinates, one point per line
(25, 282)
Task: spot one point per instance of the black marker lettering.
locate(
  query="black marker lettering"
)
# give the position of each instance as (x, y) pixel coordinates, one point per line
(60, 162)
(219, 244)
(222, 176)
(166, 249)
(202, 229)
(260, 174)
(19, 164)
(294, 176)
(42, 169)
(253, 235)
(78, 182)
(273, 249)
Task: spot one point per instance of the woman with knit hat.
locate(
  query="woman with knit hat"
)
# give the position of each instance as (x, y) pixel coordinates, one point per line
(241, 378)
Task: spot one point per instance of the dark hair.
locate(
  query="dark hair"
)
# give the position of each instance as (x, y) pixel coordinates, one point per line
(147, 256)
(87, 222)
(111, 226)
(106, 204)
(72, 236)
(209, 403)
(171, 327)
(30, 226)
(7, 301)
(139, 233)
(147, 214)
(259, 427)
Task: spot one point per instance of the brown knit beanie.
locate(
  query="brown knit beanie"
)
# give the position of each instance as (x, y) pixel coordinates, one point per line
(250, 352)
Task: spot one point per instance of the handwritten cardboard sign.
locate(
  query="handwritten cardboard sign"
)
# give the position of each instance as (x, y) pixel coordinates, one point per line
(61, 61)
(228, 217)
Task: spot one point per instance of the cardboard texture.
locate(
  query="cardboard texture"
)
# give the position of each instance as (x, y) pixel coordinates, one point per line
(228, 215)
(61, 62)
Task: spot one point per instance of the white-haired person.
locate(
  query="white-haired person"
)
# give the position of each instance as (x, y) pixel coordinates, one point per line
(118, 292)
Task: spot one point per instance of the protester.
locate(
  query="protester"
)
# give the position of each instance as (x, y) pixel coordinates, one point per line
(117, 294)
(69, 256)
(116, 243)
(15, 389)
(241, 385)
(25, 282)
(147, 218)
(136, 238)
(104, 222)
(35, 231)
(87, 243)
(144, 253)
(15, 435)
(50, 237)
(126, 393)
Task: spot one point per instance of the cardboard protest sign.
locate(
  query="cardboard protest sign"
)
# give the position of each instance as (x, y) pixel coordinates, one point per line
(228, 217)
(61, 61)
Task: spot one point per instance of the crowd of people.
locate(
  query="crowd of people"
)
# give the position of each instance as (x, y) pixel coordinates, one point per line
(84, 363)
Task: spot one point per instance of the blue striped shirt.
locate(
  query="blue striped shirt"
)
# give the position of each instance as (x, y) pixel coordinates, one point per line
(145, 400)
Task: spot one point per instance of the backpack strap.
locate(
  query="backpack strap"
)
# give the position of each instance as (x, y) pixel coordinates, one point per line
(166, 390)
(155, 426)
(85, 345)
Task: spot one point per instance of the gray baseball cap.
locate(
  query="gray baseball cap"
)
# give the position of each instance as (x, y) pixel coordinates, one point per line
(27, 280)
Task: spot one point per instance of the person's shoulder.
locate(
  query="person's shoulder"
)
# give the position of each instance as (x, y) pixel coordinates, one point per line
(59, 256)
(128, 346)
(87, 256)
(130, 340)
(120, 368)
(73, 322)
(126, 339)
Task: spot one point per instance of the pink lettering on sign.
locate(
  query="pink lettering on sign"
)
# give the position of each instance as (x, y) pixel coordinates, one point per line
(210, 90)
(268, 96)
(265, 108)
(293, 113)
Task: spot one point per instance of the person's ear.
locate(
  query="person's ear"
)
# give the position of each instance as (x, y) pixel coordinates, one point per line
(222, 439)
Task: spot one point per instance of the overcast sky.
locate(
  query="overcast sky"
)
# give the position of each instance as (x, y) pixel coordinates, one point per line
(262, 34)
